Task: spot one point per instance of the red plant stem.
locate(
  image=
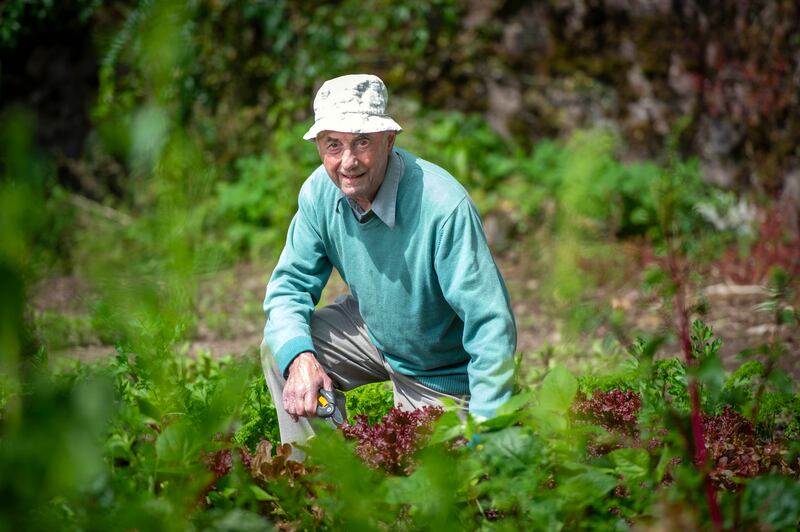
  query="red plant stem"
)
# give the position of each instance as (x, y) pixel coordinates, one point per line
(694, 393)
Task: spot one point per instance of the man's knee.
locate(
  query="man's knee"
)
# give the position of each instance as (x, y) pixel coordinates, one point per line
(268, 361)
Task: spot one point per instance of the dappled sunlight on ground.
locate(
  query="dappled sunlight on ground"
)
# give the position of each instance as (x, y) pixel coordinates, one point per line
(230, 318)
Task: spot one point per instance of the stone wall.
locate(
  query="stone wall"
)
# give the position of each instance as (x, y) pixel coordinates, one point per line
(729, 72)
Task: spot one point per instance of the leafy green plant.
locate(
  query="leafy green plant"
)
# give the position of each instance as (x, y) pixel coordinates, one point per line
(258, 417)
(59, 330)
(771, 500)
(253, 211)
(372, 400)
(465, 146)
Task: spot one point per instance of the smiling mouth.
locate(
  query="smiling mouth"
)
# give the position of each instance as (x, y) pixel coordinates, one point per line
(351, 177)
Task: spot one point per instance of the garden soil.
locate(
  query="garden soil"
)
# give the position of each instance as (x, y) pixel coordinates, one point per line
(231, 320)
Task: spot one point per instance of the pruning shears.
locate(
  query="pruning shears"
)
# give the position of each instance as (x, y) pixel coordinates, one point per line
(326, 407)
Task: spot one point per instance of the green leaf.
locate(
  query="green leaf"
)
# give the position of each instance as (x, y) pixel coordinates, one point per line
(773, 501)
(712, 377)
(119, 446)
(547, 420)
(517, 402)
(513, 446)
(175, 446)
(663, 463)
(630, 463)
(261, 495)
(558, 390)
(545, 515)
(447, 427)
(587, 487)
(501, 422)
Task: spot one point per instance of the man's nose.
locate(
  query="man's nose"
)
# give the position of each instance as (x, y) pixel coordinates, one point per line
(349, 159)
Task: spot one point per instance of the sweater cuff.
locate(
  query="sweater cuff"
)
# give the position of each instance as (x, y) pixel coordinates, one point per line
(289, 351)
(487, 409)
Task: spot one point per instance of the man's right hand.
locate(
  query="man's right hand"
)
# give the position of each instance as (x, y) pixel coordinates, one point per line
(305, 379)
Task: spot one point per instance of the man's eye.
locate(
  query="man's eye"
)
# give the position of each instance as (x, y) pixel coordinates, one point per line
(363, 143)
(334, 147)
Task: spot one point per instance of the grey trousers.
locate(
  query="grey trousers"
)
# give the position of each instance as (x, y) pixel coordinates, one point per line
(347, 355)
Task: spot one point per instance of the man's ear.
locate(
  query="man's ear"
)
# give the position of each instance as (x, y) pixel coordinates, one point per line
(392, 135)
(318, 144)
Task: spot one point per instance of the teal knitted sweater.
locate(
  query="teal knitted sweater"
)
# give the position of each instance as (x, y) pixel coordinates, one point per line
(428, 289)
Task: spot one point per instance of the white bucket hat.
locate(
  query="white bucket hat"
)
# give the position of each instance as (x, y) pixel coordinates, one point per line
(355, 103)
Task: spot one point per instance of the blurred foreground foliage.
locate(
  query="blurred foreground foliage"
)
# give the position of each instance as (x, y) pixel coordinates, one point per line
(152, 438)
(114, 446)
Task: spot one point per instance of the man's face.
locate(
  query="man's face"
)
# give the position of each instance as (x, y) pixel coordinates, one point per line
(356, 162)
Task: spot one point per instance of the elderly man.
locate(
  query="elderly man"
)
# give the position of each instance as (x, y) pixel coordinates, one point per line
(429, 310)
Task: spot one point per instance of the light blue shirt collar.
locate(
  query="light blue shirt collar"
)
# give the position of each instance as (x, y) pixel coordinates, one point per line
(385, 204)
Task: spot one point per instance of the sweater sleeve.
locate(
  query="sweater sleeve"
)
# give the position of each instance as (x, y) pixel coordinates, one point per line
(295, 287)
(474, 288)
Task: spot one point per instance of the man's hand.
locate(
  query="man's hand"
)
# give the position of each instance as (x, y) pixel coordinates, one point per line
(305, 379)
